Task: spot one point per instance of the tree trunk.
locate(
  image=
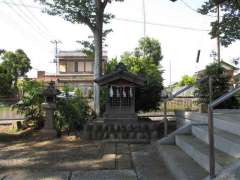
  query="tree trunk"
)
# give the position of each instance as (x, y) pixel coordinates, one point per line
(98, 57)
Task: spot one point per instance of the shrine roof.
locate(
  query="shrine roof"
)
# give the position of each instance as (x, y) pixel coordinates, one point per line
(120, 73)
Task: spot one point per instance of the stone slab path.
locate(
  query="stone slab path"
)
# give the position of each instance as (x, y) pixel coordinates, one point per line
(76, 175)
(149, 165)
(70, 158)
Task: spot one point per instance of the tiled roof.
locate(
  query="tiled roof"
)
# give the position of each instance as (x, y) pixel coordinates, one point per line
(70, 53)
(76, 53)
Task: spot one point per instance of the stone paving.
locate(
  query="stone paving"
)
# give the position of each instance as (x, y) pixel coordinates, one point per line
(73, 158)
(66, 158)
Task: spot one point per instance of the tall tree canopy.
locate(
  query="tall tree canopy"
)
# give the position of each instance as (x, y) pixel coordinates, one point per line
(149, 48)
(90, 13)
(228, 29)
(14, 65)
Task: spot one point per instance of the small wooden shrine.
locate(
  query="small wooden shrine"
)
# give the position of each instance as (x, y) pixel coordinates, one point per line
(121, 86)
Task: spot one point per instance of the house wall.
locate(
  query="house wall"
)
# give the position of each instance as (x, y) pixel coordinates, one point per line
(75, 67)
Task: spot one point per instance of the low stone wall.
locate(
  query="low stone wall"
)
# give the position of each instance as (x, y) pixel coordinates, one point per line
(138, 131)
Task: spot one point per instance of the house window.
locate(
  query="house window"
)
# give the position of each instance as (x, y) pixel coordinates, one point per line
(63, 68)
(80, 66)
(76, 67)
(88, 67)
(70, 67)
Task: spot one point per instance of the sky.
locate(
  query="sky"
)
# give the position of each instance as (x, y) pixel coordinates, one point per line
(180, 30)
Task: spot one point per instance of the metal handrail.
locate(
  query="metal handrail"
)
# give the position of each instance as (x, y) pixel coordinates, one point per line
(175, 95)
(188, 87)
(224, 97)
(211, 106)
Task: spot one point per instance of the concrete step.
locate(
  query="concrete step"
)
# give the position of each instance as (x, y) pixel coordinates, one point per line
(150, 166)
(224, 141)
(229, 123)
(227, 120)
(180, 164)
(199, 151)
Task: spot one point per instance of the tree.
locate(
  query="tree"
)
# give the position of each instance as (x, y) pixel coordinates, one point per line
(149, 48)
(88, 48)
(6, 82)
(90, 13)
(221, 84)
(147, 97)
(14, 65)
(186, 80)
(228, 29)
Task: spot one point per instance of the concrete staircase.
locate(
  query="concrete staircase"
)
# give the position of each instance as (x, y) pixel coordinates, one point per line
(186, 151)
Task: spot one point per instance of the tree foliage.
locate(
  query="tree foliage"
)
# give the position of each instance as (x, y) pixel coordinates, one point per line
(229, 27)
(149, 48)
(14, 65)
(30, 101)
(221, 85)
(6, 82)
(186, 80)
(88, 48)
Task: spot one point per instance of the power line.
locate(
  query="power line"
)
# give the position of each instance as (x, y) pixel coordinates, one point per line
(163, 25)
(43, 27)
(133, 21)
(24, 19)
(192, 9)
(17, 4)
(31, 21)
(188, 6)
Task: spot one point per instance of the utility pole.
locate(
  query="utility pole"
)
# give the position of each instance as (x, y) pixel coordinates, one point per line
(218, 37)
(56, 42)
(170, 75)
(144, 19)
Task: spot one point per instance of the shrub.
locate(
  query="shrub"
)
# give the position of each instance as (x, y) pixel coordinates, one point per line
(71, 114)
(221, 85)
(30, 102)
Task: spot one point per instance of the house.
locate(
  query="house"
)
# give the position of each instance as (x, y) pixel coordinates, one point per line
(74, 69)
(229, 70)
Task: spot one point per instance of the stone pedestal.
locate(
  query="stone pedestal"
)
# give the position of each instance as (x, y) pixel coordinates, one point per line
(48, 128)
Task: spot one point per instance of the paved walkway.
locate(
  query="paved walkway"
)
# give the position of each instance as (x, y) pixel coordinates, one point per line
(70, 158)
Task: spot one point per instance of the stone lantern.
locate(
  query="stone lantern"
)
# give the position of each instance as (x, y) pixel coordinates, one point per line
(49, 107)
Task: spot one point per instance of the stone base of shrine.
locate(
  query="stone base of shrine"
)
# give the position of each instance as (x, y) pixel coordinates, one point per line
(121, 131)
(120, 118)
